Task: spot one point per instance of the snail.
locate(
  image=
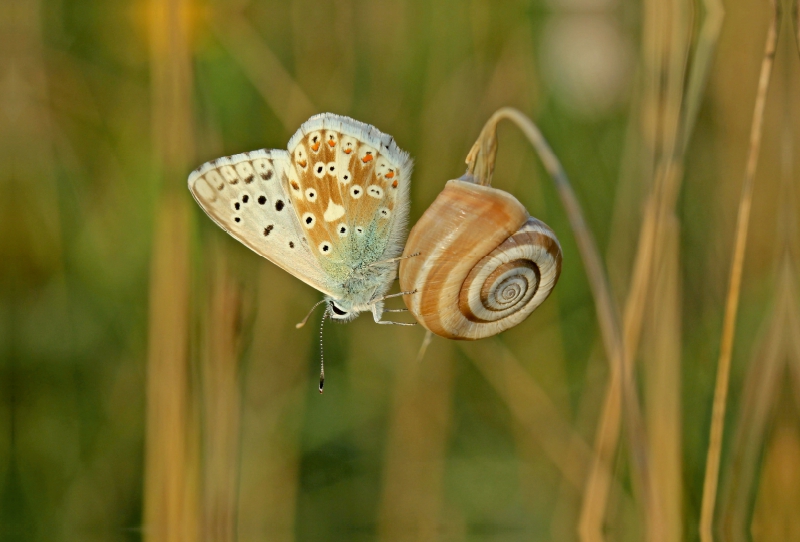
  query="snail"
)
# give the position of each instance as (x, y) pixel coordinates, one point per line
(478, 263)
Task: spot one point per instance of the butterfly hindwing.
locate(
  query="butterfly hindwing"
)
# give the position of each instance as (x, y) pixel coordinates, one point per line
(350, 192)
(249, 196)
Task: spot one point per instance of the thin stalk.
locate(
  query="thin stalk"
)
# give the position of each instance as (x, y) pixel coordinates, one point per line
(732, 302)
(480, 168)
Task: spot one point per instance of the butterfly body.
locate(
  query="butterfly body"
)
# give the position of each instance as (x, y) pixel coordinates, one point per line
(331, 210)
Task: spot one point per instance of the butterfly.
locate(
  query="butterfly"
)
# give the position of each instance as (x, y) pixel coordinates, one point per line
(331, 210)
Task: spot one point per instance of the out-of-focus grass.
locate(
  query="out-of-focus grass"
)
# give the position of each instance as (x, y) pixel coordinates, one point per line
(152, 381)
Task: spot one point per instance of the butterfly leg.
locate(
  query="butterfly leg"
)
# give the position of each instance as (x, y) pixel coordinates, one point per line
(392, 260)
(392, 295)
(378, 310)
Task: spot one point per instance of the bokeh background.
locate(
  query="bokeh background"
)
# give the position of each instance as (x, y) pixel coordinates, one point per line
(153, 384)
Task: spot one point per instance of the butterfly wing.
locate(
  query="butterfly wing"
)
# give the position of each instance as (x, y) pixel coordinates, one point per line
(349, 184)
(247, 196)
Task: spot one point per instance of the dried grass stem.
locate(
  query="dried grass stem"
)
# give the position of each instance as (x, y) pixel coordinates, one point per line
(480, 168)
(732, 302)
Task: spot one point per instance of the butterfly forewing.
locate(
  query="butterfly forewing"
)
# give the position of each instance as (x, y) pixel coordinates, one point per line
(350, 193)
(249, 196)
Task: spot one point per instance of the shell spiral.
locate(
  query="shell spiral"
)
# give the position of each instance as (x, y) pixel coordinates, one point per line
(484, 264)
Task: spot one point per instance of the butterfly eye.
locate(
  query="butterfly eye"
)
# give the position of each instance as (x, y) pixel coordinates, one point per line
(309, 220)
(356, 191)
(336, 310)
(311, 195)
(325, 247)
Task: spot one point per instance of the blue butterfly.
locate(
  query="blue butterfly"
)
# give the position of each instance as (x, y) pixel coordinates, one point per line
(332, 210)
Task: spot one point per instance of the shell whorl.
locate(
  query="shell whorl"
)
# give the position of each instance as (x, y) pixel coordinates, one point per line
(484, 263)
(503, 283)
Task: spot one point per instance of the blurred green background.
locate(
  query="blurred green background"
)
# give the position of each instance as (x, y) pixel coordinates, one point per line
(153, 383)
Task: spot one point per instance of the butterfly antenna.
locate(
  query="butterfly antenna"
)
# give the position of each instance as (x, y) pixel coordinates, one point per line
(322, 354)
(301, 324)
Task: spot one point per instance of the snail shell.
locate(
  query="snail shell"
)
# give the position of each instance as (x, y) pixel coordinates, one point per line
(484, 263)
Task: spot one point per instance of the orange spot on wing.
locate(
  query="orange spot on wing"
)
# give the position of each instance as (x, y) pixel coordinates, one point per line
(390, 174)
(294, 185)
(331, 143)
(302, 164)
(367, 158)
(348, 151)
(394, 184)
(315, 146)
